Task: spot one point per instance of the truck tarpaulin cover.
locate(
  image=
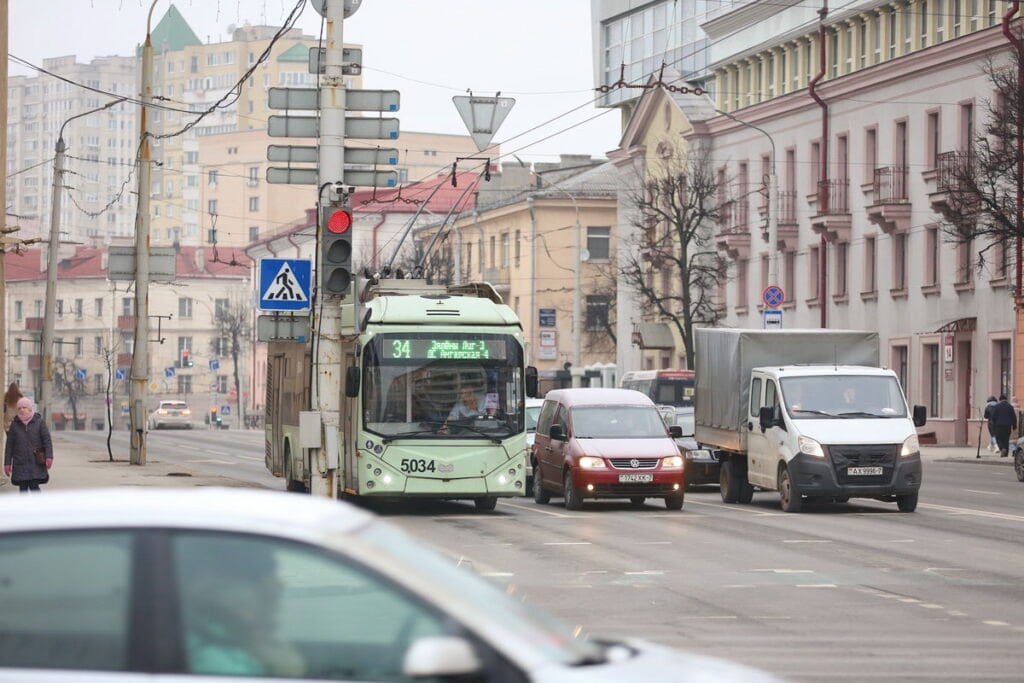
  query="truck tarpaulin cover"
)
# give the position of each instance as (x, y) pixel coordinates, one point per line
(725, 357)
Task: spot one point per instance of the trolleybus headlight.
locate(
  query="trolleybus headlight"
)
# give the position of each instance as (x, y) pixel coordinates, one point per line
(910, 447)
(589, 462)
(376, 472)
(809, 446)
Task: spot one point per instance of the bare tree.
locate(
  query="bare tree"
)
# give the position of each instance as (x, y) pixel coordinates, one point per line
(65, 376)
(233, 332)
(676, 214)
(109, 356)
(980, 184)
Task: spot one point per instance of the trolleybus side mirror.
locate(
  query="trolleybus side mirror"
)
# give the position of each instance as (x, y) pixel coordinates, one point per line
(531, 381)
(920, 416)
(352, 382)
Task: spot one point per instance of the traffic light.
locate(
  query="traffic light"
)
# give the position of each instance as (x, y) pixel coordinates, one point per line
(186, 358)
(336, 250)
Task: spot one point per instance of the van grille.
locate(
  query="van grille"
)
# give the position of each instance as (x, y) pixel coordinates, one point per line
(628, 463)
(880, 455)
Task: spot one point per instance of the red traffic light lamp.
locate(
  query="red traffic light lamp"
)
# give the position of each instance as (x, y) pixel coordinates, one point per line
(336, 250)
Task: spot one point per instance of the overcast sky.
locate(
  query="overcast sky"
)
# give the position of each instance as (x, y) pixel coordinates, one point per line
(537, 51)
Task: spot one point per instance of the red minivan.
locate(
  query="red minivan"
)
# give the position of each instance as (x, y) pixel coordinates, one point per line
(605, 443)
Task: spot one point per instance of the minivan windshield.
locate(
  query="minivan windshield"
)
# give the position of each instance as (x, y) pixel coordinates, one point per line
(823, 397)
(617, 422)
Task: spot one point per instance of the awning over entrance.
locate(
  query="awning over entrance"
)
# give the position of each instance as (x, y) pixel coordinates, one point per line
(959, 325)
(653, 336)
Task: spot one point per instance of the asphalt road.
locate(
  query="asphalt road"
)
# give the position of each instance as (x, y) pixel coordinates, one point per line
(840, 592)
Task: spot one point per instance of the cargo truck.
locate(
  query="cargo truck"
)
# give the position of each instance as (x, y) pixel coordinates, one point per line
(807, 413)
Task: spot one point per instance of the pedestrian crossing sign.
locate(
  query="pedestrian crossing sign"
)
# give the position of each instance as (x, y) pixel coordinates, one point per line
(285, 284)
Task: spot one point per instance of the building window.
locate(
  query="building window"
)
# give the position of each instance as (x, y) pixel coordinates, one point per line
(1000, 259)
(870, 271)
(892, 33)
(504, 250)
(597, 312)
(923, 23)
(870, 154)
(812, 272)
(60, 308)
(18, 314)
(78, 309)
(220, 308)
(211, 178)
(599, 243)
(842, 252)
(493, 250)
(967, 126)
(932, 144)
(254, 203)
(127, 306)
(931, 255)
(931, 371)
(254, 175)
(517, 249)
(222, 384)
(211, 207)
(97, 346)
(79, 345)
(899, 262)
(254, 233)
(1005, 365)
(789, 275)
(184, 384)
(741, 283)
(221, 347)
(901, 364)
(764, 272)
(964, 262)
(469, 258)
(956, 18)
(98, 307)
(184, 307)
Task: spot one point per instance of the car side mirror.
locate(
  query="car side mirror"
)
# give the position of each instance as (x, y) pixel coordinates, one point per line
(531, 381)
(441, 657)
(920, 416)
(557, 432)
(352, 382)
(766, 417)
(676, 431)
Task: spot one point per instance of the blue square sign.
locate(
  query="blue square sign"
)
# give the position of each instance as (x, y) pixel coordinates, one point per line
(285, 284)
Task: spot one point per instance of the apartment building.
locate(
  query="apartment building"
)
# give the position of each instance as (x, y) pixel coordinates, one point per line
(190, 358)
(860, 239)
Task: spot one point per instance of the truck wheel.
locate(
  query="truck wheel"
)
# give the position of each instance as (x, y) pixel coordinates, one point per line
(746, 492)
(789, 497)
(291, 484)
(907, 502)
(486, 503)
(573, 499)
(1018, 464)
(674, 502)
(540, 496)
(728, 483)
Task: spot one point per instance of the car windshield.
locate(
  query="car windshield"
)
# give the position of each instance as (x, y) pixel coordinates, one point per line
(617, 422)
(532, 413)
(843, 396)
(550, 636)
(423, 385)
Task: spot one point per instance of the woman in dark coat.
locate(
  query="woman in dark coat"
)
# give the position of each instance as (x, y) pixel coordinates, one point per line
(27, 433)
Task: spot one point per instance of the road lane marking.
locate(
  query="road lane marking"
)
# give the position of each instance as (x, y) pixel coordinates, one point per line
(568, 543)
(654, 542)
(805, 540)
(740, 508)
(816, 585)
(648, 572)
(210, 461)
(995, 623)
(784, 571)
(973, 512)
(984, 493)
(254, 458)
(537, 509)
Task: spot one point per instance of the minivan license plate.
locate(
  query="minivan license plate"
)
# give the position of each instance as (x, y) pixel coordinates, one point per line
(863, 471)
(635, 478)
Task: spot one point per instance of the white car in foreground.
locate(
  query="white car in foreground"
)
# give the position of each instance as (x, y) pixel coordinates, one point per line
(132, 585)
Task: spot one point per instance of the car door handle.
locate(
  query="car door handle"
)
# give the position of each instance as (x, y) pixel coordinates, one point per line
(750, 426)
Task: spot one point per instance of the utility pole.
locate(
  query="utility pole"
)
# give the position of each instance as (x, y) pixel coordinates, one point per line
(45, 403)
(326, 388)
(3, 199)
(139, 389)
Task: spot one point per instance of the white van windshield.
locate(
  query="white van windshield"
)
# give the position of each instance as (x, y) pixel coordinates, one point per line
(617, 422)
(843, 396)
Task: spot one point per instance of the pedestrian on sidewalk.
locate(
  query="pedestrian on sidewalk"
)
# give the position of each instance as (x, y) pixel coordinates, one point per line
(990, 403)
(11, 404)
(28, 456)
(1005, 419)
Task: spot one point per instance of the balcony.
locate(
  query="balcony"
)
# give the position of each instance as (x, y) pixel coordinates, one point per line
(833, 219)
(788, 227)
(951, 169)
(34, 324)
(734, 243)
(126, 322)
(890, 210)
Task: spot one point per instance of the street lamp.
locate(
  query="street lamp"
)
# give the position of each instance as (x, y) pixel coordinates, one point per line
(773, 203)
(46, 366)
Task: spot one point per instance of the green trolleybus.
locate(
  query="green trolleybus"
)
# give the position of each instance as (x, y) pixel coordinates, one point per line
(433, 402)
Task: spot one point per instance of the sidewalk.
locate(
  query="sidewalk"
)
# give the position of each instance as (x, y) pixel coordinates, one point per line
(75, 467)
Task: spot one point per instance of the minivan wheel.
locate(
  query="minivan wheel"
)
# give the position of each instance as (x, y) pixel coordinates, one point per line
(674, 502)
(789, 497)
(728, 483)
(907, 502)
(540, 496)
(573, 499)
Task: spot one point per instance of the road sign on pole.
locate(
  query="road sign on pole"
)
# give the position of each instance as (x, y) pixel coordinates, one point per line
(772, 318)
(351, 61)
(309, 127)
(773, 296)
(284, 284)
(308, 176)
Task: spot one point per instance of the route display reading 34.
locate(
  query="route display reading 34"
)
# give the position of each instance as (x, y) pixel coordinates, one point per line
(444, 349)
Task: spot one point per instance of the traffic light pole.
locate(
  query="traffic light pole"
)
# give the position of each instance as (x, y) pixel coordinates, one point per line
(326, 385)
